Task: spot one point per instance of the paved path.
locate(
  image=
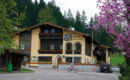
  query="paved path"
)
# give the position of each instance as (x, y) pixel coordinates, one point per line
(49, 74)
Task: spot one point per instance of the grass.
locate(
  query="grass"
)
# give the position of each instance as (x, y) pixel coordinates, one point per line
(117, 59)
(25, 70)
(21, 70)
(2, 71)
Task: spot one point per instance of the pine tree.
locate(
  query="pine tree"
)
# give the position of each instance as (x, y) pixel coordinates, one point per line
(91, 23)
(84, 19)
(46, 15)
(35, 12)
(70, 18)
(5, 28)
(78, 24)
(13, 13)
(42, 4)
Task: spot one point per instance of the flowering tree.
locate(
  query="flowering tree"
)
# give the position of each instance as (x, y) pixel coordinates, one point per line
(115, 13)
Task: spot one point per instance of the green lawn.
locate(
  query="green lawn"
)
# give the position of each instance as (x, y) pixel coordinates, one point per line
(26, 70)
(117, 59)
(1, 71)
(22, 70)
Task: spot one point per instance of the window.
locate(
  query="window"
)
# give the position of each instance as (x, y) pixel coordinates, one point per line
(67, 37)
(77, 59)
(25, 40)
(46, 31)
(45, 59)
(61, 47)
(52, 30)
(22, 46)
(78, 48)
(69, 46)
(68, 59)
(52, 47)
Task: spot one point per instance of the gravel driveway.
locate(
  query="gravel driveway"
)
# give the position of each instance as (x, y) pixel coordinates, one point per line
(49, 74)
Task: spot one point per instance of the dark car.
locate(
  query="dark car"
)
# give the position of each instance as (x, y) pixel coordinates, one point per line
(106, 67)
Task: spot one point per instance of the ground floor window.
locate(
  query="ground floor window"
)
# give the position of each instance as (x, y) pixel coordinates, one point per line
(68, 59)
(45, 59)
(76, 59)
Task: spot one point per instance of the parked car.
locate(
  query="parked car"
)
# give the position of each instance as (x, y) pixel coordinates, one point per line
(116, 69)
(106, 67)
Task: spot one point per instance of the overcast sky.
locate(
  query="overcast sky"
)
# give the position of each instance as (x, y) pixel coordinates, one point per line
(89, 6)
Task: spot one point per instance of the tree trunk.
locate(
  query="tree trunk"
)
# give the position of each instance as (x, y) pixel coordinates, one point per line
(127, 60)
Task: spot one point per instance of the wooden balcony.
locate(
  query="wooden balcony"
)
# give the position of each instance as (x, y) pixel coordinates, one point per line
(68, 51)
(77, 52)
(50, 51)
(51, 36)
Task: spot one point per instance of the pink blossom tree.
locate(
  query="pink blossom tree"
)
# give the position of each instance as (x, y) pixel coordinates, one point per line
(113, 13)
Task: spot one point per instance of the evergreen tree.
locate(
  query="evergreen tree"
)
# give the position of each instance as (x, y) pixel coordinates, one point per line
(13, 13)
(78, 24)
(70, 18)
(84, 19)
(66, 22)
(91, 23)
(26, 7)
(46, 15)
(35, 13)
(9, 19)
(42, 4)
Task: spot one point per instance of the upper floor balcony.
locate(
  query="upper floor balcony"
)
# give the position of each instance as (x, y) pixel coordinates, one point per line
(51, 36)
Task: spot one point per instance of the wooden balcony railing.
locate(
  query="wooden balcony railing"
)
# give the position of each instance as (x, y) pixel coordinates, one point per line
(50, 51)
(51, 36)
(68, 51)
(77, 52)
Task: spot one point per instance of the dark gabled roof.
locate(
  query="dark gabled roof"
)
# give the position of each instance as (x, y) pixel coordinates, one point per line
(46, 23)
(36, 26)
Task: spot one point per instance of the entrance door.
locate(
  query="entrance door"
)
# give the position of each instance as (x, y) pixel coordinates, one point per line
(59, 60)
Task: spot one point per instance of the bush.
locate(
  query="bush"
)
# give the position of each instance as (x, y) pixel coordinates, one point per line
(125, 73)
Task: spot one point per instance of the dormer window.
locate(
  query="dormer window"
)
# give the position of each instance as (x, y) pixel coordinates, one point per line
(52, 30)
(46, 31)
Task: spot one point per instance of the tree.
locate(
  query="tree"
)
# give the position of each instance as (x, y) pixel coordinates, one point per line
(10, 18)
(46, 15)
(42, 4)
(115, 12)
(70, 18)
(91, 23)
(14, 15)
(83, 19)
(78, 24)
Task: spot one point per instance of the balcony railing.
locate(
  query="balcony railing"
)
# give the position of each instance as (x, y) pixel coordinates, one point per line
(68, 51)
(50, 51)
(51, 36)
(77, 52)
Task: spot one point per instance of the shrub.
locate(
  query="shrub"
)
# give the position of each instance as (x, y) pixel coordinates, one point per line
(125, 73)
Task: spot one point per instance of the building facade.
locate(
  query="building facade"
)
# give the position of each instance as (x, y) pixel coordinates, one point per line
(52, 44)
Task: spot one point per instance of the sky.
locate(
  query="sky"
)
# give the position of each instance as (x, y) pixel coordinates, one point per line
(89, 6)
